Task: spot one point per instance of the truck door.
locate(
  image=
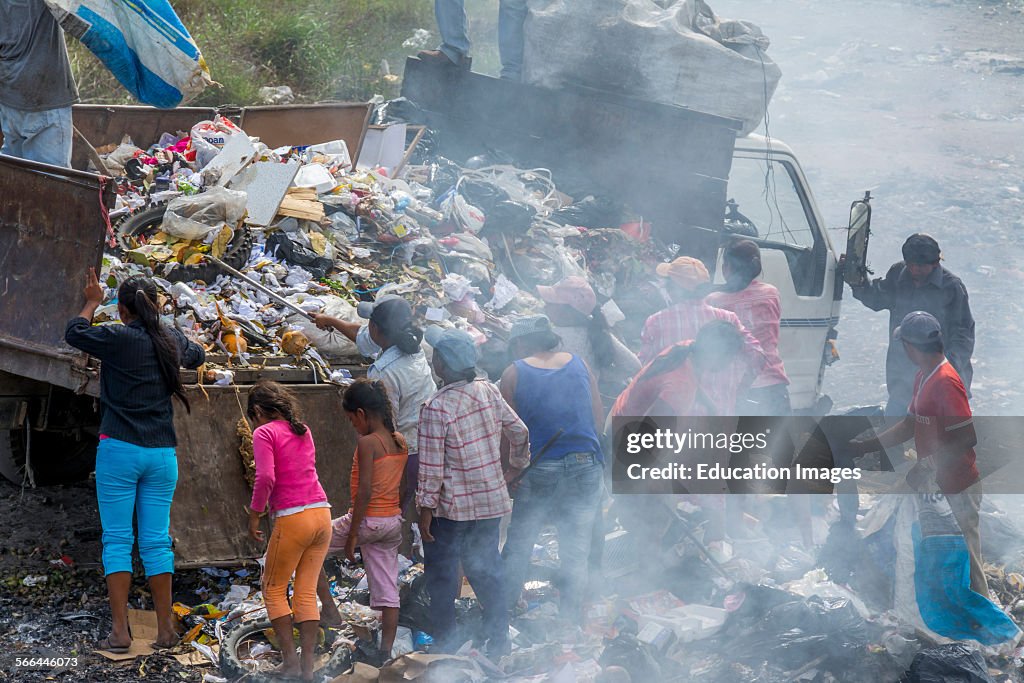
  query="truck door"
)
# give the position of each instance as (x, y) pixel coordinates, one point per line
(770, 203)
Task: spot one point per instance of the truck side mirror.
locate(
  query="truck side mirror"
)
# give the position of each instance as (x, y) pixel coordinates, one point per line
(856, 270)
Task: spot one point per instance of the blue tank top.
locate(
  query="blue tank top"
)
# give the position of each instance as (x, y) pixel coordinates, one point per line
(549, 400)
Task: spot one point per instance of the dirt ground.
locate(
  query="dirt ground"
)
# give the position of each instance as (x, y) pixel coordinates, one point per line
(920, 102)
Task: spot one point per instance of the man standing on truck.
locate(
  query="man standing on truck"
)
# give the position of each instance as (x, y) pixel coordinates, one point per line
(920, 283)
(36, 85)
(454, 49)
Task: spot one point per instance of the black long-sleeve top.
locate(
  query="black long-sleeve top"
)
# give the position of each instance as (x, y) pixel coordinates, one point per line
(135, 401)
(944, 296)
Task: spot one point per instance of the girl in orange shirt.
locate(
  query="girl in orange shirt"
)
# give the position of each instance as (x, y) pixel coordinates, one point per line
(374, 522)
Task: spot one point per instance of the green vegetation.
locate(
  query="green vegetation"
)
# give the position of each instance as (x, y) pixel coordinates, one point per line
(322, 49)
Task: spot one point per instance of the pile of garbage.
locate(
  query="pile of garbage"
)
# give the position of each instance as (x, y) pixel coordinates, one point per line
(245, 242)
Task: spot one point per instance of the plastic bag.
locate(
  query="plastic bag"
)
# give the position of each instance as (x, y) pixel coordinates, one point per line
(208, 139)
(332, 345)
(633, 656)
(281, 246)
(143, 44)
(195, 217)
(952, 663)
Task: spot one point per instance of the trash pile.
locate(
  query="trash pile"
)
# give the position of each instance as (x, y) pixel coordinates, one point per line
(245, 242)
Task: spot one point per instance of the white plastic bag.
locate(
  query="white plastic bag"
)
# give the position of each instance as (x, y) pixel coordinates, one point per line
(194, 217)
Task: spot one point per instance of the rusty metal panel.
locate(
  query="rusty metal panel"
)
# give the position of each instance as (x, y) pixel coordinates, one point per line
(309, 124)
(51, 231)
(108, 124)
(208, 519)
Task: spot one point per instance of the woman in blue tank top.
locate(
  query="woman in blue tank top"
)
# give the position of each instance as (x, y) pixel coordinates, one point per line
(552, 390)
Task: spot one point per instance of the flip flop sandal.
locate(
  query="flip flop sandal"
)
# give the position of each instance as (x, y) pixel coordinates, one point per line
(106, 646)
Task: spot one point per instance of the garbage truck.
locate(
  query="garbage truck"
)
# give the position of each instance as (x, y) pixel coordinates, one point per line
(683, 167)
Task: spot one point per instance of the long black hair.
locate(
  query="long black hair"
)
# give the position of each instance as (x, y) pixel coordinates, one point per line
(138, 295)
(273, 399)
(744, 260)
(370, 396)
(599, 333)
(394, 318)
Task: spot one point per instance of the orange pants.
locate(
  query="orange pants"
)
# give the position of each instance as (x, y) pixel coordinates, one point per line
(298, 544)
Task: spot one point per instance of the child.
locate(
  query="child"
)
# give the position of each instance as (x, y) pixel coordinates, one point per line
(286, 479)
(374, 522)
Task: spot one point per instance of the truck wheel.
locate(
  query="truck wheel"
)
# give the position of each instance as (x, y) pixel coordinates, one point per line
(149, 220)
(12, 456)
(57, 458)
(236, 646)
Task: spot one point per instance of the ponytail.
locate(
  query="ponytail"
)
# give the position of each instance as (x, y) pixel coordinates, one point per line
(407, 339)
(139, 296)
(272, 399)
(669, 361)
(600, 336)
(744, 260)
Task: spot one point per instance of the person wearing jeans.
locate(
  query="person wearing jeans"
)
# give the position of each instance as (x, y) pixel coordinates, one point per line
(455, 44)
(36, 85)
(462, 493)
(556, 396)
(136, 468)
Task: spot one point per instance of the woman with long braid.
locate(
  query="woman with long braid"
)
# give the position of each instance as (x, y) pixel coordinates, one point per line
(136, 467)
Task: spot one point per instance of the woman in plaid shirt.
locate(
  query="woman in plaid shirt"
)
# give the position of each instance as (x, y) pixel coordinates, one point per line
(462, 493)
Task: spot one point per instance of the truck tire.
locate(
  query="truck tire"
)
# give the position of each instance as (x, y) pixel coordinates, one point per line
(232, 668)
(57, 457)
(148, 220)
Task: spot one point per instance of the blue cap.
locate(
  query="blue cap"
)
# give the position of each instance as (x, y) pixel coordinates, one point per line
(529, 324)
(455, 347)
(918, 328)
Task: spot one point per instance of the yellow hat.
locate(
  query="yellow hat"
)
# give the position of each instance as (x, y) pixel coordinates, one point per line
(685, 271)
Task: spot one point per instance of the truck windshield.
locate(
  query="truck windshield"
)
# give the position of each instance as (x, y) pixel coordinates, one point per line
(765, 195)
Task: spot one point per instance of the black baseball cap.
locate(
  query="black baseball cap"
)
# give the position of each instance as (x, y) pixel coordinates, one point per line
(921, 248)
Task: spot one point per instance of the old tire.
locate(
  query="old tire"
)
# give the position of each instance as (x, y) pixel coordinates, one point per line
(57, 457)
(149, 220)
(232, 668)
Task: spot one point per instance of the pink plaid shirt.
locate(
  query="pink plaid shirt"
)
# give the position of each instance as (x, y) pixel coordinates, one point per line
(681, 323)
(760, 311)
(460, 432)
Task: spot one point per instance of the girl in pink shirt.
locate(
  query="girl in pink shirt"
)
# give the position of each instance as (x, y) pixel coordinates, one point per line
(287, 484)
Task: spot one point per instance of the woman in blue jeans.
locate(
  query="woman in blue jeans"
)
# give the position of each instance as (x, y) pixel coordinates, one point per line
(136, 469)
(552, 390)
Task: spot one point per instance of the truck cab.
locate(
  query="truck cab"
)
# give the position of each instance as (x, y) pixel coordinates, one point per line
(770, 202)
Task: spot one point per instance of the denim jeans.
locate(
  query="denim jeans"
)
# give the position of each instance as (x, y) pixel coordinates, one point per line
(131, 479)
(475, 545)
(43, 136)
(452, 23)
(565, 492)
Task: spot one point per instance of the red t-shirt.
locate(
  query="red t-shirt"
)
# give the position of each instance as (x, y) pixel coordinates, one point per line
(939, 407)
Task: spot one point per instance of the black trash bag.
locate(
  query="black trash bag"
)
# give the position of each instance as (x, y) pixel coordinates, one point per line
(952, 663)
(591, 212)
(508, 218)
(414, 608)
(633, 656)
(442, 176)
(482, 194)
(399, 110)
(278, 244)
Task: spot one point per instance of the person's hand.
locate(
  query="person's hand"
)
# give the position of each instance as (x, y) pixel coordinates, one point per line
(255, 533)
(510, 476)
(321, 320)
(426, 517)
(350, 546)
(93, 291)
(919, 475)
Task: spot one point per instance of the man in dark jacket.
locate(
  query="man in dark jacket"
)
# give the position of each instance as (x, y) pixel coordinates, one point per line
(920, 283)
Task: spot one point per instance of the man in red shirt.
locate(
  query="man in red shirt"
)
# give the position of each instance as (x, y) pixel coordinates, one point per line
(939, 419)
